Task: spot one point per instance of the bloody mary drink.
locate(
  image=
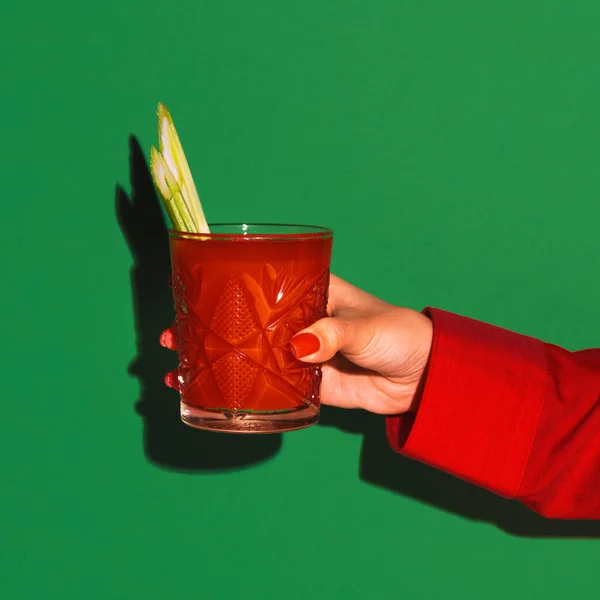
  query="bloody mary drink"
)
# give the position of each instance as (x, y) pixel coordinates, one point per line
(241, 292)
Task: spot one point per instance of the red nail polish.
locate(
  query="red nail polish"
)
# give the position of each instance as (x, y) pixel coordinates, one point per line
(163, 338)
(305, 344)
(167, 339)
(171, 380)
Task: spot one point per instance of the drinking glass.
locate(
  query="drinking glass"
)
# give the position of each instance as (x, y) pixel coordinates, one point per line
(241, 293)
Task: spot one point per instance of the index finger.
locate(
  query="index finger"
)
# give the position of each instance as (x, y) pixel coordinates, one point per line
(345, 296)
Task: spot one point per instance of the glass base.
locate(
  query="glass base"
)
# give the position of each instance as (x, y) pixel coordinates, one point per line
(240, 422)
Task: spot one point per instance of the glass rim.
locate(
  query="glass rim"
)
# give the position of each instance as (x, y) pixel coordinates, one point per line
(307, 232)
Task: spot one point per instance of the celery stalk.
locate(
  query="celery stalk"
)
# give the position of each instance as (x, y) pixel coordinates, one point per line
(172, 151)
(173, 178)
(178, 211)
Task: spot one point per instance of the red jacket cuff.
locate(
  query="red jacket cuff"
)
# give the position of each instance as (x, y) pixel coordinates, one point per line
(480, 406)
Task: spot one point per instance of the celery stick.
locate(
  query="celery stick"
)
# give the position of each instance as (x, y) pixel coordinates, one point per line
(174, 156)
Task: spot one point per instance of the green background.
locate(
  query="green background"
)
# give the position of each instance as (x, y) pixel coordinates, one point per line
(453, 147)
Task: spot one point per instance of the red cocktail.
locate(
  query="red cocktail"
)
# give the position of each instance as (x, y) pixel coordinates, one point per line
(241, 293)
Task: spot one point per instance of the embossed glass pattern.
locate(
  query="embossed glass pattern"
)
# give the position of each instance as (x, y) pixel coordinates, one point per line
(240, 294)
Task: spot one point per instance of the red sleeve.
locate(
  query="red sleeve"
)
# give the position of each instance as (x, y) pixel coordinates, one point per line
(509, 413)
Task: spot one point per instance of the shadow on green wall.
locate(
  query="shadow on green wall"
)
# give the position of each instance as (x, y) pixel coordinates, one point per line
(381, 466)
(167, 441)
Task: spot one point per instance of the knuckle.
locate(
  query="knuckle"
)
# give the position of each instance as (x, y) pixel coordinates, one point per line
(335, 331)
(331, 331)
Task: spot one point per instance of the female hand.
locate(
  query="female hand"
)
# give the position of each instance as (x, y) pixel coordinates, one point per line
(374, 353)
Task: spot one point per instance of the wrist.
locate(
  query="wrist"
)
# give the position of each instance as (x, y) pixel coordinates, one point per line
(423, 345)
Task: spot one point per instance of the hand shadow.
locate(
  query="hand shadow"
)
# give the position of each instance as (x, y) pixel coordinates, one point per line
(381, 466)
(167, 441)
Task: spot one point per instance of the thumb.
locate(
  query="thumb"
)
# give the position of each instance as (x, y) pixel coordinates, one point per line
(324, 339)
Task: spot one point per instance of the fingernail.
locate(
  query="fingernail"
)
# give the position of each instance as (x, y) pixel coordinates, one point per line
(167, 339)
(305, 344)
(171, 380)
(163, 338)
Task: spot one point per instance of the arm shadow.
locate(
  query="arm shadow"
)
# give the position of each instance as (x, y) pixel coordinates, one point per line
(168, 443)
(381, 466)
